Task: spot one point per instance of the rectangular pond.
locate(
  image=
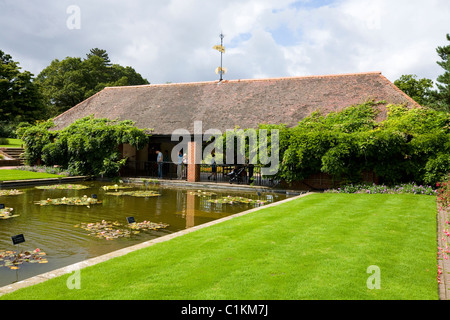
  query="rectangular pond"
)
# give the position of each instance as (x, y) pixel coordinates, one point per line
(48, 223)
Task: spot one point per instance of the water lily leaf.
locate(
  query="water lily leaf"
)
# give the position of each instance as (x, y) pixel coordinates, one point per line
(143, 194)
(13, 259)
(63, 187)
(113, 230)
(7, 213)
(10, 192)
(73, 201)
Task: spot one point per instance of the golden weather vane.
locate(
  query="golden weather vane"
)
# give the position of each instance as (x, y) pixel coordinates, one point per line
(220, 70)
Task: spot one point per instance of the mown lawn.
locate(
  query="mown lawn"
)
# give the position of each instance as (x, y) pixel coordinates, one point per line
(12, 143)
(316, 247)
(7, 175)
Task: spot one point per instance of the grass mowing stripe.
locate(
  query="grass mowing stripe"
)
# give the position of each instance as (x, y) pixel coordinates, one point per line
(316, 247)
(9, 175)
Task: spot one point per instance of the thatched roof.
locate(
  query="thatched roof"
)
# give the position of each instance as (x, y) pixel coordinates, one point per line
(230, 103)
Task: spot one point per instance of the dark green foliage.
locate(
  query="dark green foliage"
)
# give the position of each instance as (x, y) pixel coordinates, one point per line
(443, 81)
(68, 82)
(88, 146)
(410, 145)
(20, 96)
(420, 90)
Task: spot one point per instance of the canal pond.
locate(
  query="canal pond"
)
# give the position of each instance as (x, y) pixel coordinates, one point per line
(66, 224)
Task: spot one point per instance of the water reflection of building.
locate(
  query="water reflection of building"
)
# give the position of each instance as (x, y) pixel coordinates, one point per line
(190, 210)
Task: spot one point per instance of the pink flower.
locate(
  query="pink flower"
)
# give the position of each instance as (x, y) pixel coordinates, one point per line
(37, 250)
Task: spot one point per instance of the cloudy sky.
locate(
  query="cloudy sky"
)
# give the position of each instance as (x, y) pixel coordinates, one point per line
(172, 40)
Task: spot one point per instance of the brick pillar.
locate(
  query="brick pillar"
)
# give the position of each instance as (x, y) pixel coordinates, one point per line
(193, 169)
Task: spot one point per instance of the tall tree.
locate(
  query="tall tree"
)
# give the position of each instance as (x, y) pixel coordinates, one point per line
(420, 90)
(20, 97)
(100, 53)
(443, 81)
(68, 82)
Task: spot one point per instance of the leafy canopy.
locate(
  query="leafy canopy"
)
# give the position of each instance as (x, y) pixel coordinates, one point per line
(72, 80)
(88, 146)
(20, 97)
(410, 145)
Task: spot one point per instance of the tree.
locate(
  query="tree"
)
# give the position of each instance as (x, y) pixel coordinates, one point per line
(68, 82)
(420, 90)
(443, 81)
(100, 53)
(20, 97)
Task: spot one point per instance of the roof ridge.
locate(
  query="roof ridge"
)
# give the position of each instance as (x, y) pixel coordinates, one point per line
(249, 80)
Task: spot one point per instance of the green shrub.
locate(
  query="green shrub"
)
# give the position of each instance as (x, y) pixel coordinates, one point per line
(88, 146)
(410, 145)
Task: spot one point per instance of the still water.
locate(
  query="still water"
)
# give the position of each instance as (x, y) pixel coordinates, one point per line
(52, 228)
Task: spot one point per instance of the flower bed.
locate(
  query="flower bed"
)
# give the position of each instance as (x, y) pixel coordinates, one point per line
(443, 249)
(398, 189)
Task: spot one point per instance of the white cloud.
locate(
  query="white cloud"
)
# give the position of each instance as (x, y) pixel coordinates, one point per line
(172, 40)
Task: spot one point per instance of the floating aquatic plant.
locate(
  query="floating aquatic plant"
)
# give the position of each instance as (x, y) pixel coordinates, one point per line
(6, 213)
(112, 230)
(71, 201)
(115, 187)
(63, 187)
(10, 192)
(236, 200)
(12, 259)
(202, 193)
(105, 229)
(142, 194)
(147, 225)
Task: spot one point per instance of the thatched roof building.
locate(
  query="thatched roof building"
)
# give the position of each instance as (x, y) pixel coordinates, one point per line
(230, 103)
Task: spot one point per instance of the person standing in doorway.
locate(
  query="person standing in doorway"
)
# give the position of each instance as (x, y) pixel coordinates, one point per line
(180, 165)
(213, 167)
(159, 160)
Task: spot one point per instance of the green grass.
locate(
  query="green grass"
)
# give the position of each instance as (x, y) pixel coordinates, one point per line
(12, 143)
(316, 247)
(7, 175)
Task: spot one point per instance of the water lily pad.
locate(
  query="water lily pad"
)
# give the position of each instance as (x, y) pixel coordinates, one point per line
(202, 193)
(147, 225)
(10, 192)
(63, 187)
(115, 187)
(236, 200)
(70, 201)
(142, 194)
(7, 213)
(13, 259)
(112, 230)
